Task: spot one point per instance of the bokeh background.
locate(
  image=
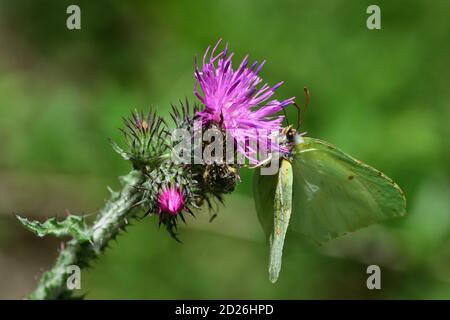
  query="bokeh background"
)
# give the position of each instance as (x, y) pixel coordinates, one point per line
(383, 96)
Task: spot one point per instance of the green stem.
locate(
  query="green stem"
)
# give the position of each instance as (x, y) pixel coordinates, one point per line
(111, 219)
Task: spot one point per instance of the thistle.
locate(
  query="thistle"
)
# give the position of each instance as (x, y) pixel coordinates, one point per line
(158, 186)
(232, 103)
(171, 201)
(169, 192)
(146, 137)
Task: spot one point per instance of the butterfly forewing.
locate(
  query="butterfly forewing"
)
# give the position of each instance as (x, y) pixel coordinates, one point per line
(273, 201)
(282, 214)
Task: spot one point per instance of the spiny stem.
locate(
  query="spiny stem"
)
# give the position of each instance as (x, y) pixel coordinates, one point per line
(111, 219)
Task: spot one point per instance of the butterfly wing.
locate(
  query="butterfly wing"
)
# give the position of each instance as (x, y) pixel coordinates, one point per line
(334, 194)
(273, 200)
(282, 215)
(263, 194)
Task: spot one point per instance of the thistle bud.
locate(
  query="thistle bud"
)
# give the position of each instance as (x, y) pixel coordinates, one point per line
(146, 138)
(171, 200)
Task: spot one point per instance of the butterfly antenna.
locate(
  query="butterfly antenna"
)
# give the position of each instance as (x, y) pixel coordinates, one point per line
(299, 114)
(306, 91)
(285, 117)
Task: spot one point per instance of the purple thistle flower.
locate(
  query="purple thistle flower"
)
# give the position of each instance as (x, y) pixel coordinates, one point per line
(232, 99)
(171, 200)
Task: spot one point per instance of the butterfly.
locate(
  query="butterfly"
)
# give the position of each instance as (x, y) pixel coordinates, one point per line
(322, 193)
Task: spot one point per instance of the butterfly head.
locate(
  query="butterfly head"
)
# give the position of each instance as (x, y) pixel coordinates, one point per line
(291, 136)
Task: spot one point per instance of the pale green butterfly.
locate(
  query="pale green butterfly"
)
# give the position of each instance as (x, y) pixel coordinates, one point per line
(322, 193)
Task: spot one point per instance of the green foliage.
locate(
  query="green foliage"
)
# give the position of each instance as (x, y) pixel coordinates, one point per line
(125, 155)
(72, 226)
(87, 242)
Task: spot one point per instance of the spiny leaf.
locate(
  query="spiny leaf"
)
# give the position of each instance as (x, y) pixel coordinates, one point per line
(119, 150)
(74, 226)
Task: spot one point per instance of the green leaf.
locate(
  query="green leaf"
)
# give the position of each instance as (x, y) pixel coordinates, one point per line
(74, 226)
(334, 194)
(119, 150)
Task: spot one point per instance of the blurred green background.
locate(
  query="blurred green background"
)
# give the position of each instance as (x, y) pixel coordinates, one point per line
(382, 95)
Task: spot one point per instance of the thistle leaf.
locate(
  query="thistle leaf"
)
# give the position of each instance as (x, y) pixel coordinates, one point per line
(119, 150)
(74, 226)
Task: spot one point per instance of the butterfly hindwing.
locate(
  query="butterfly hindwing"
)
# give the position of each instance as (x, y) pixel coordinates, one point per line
(263, 194)
(334, 194)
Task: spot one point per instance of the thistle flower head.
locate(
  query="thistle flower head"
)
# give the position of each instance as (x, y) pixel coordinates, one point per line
(146, 138)
(234, 99)
(171, 200)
